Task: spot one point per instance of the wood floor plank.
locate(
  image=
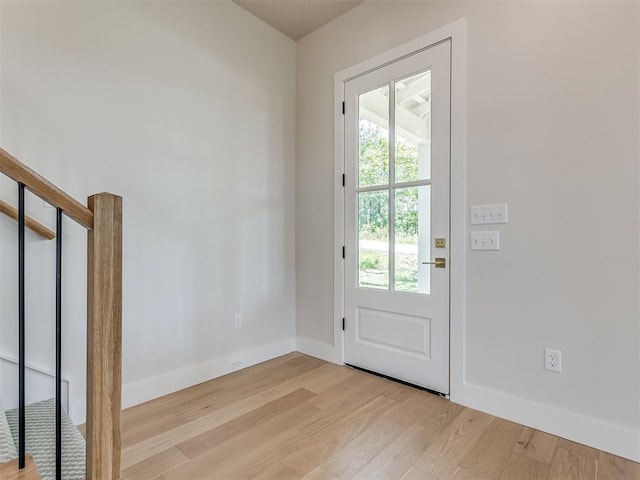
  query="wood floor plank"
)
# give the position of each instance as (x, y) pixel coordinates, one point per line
(462, 473)
(260, 459)
(241, 378)
(156, 444)
(156, 465)
(442, 457)
(312, 452)
(277, 471)
(399, 392)
(359, 419)
(276, 374)
(569, 466)
(242, 448)
(362, 449)
(343, 392)
(319, 474)
(488, 458)
(520, 467)
(346, 401)
(320, 380)
(333, 436)
(579, 449)
(398, 456)
(143, 421)
(414, 473)
(10, 471)
(443, 412)
(611, 467)
(345, 463)
(202, 443)
(537, 445)
(140, 430)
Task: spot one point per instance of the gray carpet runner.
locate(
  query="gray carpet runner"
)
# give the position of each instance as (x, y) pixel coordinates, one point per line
(7, 447)
(41, 441)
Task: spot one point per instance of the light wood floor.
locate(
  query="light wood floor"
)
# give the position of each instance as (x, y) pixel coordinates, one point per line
(296, 417)
(9, 470)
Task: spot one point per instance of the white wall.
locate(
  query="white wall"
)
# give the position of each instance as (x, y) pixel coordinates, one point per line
(186, 110)
(553, 130)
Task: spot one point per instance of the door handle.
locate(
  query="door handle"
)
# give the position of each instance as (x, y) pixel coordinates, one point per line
(439, 263)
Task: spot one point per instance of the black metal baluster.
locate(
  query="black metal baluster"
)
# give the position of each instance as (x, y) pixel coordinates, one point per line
(59, 344)
(21, 333)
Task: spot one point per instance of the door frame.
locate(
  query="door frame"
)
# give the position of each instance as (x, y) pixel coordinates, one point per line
(457, 33)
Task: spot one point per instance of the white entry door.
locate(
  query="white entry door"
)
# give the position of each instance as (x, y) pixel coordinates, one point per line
(397, 156)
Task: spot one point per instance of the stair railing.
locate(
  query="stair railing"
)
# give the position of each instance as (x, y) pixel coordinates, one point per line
(30, 223)
(102, 217)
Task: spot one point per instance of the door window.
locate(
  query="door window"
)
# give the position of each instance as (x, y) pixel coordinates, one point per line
(394, 194)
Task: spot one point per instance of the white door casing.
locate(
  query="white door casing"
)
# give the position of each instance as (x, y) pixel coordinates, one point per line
(397, 333)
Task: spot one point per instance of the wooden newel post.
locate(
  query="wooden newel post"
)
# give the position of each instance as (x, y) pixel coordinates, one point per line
(104, 338)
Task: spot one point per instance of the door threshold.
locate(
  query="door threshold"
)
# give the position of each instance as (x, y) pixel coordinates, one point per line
(397, 380)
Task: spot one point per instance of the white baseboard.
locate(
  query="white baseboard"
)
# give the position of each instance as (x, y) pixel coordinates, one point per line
(149, 388)
(606, 436)
(320, 350)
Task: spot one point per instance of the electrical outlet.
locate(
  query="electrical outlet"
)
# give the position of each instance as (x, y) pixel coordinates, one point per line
(553, 360)
(237, 321)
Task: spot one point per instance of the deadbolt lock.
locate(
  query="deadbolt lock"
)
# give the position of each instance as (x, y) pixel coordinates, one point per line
(441, 242)
(439, 263)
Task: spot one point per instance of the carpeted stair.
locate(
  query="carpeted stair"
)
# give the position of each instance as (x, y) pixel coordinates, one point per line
(7, 447)
(41, 441)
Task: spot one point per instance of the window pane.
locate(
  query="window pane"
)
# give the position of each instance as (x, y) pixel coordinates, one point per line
(373, 243)
(373, 163)
(413, 128)
(413, 239)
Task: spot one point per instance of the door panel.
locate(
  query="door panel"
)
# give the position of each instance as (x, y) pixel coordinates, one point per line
(404, 334)
(397, 132)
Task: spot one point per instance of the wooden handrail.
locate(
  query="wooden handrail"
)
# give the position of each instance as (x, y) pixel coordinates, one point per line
(29, 222)
(44, 189)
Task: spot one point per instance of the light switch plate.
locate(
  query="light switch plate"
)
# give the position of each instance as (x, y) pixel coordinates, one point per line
(485, 240)
(489, 214)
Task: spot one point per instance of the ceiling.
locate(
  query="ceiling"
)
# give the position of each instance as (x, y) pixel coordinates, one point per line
(297, 18)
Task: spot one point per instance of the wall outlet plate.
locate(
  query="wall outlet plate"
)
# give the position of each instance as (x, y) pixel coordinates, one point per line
(552, 360)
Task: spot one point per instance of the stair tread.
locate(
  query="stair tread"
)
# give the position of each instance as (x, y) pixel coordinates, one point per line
(40, 441)
(9, 471)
